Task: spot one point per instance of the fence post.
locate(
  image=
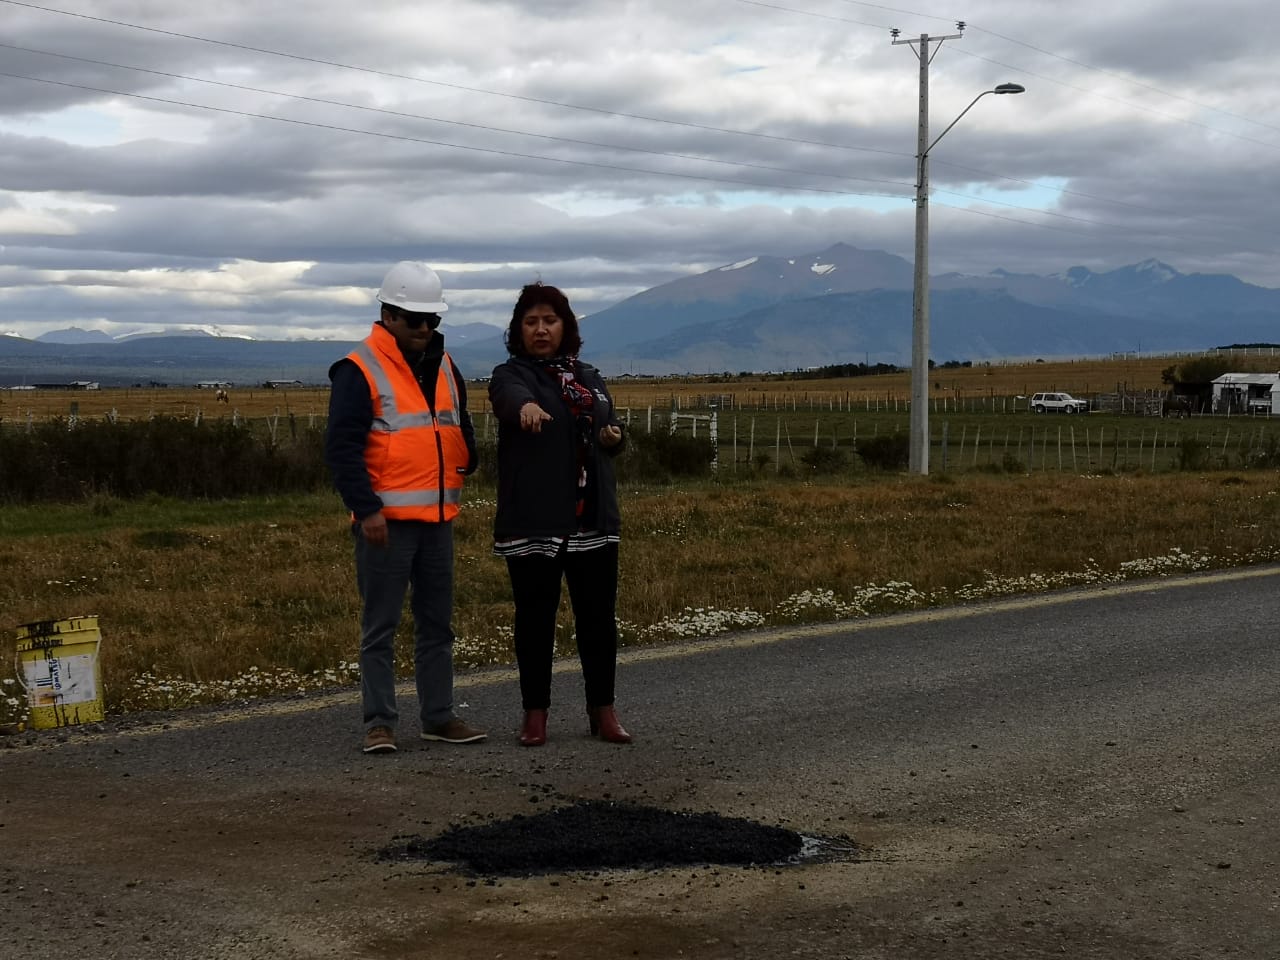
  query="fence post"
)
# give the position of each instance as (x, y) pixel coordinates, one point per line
(715, 442)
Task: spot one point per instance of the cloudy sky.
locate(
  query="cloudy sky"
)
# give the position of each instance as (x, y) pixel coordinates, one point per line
(253, 168)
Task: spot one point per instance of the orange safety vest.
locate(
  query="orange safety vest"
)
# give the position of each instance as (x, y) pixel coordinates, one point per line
(415, 460)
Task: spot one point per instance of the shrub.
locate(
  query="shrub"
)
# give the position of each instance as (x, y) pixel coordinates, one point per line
(824, 459)
(656, 457)
(1011, 464)
(1193, 454)
(1265, 456)
(167, 456)
(659, 457)
(890, 451)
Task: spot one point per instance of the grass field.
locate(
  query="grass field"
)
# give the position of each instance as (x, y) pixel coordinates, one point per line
(206, 602)
(228, 601)
(1085, 377)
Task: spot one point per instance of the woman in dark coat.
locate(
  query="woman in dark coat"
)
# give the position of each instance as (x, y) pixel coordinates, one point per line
(557, 512)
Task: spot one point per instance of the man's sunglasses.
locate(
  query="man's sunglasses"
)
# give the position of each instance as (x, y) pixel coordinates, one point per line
(414, 321)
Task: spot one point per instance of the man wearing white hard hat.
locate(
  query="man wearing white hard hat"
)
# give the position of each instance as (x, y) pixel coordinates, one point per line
(399, 443)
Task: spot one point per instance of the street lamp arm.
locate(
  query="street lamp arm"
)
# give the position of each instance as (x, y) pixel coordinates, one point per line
(956, 120)
(999, 88)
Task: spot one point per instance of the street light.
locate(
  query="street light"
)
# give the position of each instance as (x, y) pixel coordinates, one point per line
(918, 461)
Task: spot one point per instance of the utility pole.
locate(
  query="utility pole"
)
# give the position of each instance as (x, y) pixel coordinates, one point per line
(919, 438)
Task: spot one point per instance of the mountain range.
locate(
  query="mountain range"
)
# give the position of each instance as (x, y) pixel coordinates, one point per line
(840, 305)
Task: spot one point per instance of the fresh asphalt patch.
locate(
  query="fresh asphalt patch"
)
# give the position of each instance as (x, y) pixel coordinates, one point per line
(608, 835)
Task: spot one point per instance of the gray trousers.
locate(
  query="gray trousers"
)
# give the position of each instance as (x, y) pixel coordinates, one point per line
(418, 558)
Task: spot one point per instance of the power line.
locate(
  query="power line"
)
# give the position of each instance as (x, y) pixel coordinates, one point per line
(989, 173)
(1103, 96)
(458, 123)
(444, 143)
(1071, 60)
(909, 13)
(547, 102)
(1127, 79)
(772, 187)
(454, 86)
(570, 140)
(485, 127)
(809, 13)
(597, 110)
(1088, 196)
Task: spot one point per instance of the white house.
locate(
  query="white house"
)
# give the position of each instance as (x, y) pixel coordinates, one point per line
(1247, 393)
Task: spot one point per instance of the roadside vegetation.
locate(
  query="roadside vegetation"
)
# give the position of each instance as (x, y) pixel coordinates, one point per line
(224, 601)
(220, 565)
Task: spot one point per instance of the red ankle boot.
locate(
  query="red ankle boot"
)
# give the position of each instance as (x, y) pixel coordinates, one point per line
(533, 733)
(605, 725)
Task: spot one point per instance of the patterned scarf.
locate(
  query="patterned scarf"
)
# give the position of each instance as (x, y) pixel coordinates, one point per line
(581, 403)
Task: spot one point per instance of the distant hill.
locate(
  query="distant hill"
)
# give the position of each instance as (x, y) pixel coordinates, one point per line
(75, 335)
(850, 327)
(174, 360)
(845, 305)
(840, 305)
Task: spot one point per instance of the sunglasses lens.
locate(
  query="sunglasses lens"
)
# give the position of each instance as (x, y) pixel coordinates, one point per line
(414, 321)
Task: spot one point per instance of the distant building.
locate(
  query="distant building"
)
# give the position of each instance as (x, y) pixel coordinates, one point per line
(73, 385)
(282, 384)
(213, 384)
(1247, 393)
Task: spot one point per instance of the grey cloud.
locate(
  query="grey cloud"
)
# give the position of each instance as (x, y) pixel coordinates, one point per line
(263, 189)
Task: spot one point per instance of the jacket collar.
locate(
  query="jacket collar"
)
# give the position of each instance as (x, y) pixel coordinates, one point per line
(386, 343)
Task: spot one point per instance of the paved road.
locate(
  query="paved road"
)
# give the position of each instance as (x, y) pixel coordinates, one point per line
(1090, 774)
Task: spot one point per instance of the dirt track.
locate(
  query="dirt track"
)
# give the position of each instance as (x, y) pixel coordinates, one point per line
(1084, 776)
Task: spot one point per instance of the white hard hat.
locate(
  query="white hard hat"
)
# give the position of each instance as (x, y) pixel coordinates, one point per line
(414, 287)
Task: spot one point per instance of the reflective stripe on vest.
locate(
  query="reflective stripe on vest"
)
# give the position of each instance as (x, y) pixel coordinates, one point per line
(420, 498)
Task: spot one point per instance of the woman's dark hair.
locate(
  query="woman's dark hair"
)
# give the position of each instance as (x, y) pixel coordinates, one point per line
(538, 295)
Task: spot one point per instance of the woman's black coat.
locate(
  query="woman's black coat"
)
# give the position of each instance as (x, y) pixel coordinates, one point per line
(537, 472)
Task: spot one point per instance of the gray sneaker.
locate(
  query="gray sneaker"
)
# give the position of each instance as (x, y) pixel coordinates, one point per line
(455, 731)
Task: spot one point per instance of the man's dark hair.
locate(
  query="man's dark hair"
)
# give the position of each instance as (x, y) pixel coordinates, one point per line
(537, 295)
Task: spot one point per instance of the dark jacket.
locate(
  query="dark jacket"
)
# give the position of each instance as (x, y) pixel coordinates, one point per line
(537, 472)
(351, 416)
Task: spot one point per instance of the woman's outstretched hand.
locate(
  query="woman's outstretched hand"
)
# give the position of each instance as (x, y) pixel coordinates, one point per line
(532, 417)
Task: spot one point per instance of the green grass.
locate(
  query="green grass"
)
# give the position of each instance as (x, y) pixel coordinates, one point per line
(101, 513)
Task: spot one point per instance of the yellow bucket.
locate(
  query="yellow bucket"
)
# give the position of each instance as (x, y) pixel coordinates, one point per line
(58, 667)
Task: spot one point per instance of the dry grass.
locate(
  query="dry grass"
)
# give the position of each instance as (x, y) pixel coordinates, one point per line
(207, 602)
(1000, 380)
(133, 403)
(996, 379)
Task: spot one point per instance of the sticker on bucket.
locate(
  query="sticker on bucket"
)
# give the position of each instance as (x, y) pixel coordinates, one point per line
(59, 668)
(53, 681)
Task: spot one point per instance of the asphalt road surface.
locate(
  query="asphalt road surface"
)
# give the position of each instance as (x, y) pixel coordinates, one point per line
(1090, 774)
